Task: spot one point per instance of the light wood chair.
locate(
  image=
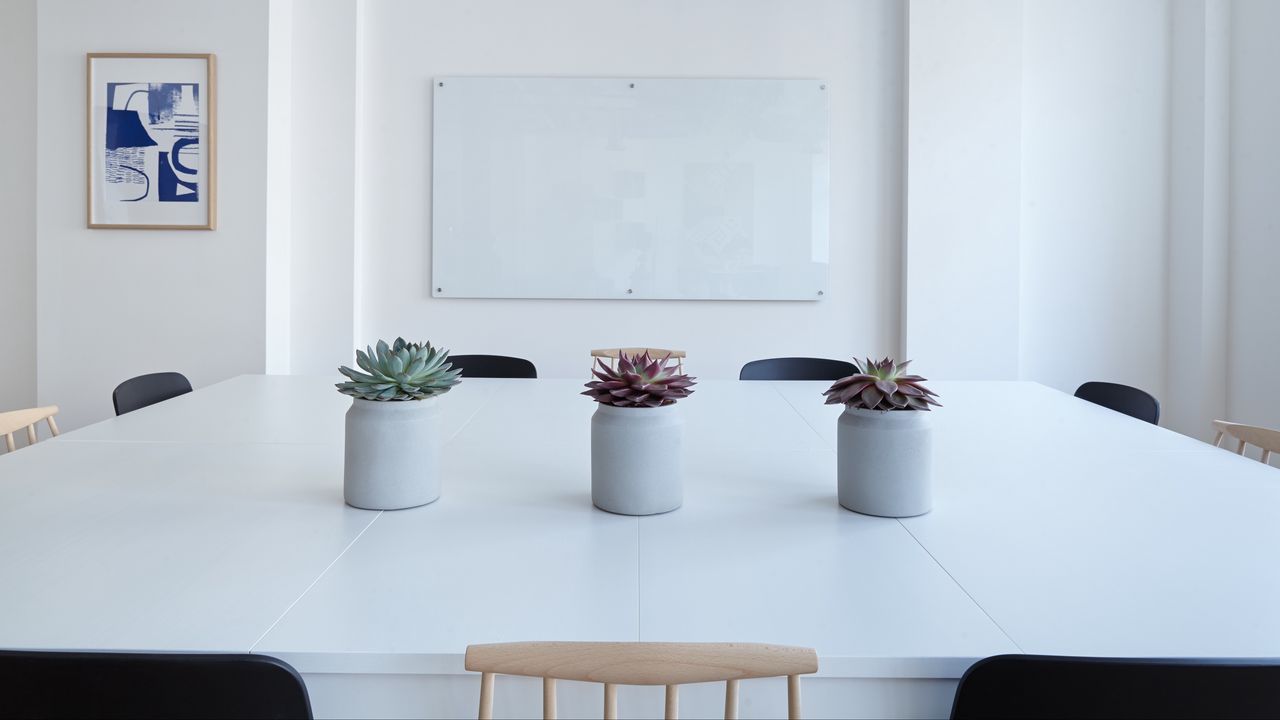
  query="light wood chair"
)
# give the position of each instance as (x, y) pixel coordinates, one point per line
(1266, 439)
(640, 663)
(612, 354)
(15, 420)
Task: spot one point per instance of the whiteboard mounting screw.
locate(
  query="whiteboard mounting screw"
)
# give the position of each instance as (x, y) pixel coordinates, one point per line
(633, 84)
(442, 290)
(822, 87)
(819, 292)
(628, 291)
(441, 84)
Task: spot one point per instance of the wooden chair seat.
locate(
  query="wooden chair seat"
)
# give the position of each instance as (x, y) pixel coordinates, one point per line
(623, 663)
(14, 420)
(1266, 439)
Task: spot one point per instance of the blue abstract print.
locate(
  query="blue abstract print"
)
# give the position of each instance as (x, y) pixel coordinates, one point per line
(153, 142)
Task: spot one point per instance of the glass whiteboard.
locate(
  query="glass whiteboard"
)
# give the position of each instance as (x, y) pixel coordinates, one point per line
(629, 188)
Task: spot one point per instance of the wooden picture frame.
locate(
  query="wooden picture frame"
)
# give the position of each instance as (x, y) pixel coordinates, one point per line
(152, 160)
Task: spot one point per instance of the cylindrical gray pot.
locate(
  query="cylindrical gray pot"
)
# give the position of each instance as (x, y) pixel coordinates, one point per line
(637, 459)
(392, 454)
(885, 462)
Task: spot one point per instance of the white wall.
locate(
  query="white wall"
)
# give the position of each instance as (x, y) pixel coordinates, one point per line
(1120, 112)
(119, 303)
(964, 100)
(17, 205)
(855, 46)
(1094, 163)
(1254, 349)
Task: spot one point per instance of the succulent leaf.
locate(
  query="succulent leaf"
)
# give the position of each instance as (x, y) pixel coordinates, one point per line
(639, 381)
(400, 371)
(881, 385)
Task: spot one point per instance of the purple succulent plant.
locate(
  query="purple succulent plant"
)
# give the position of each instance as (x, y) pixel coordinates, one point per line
(881, 386)
(639, 381)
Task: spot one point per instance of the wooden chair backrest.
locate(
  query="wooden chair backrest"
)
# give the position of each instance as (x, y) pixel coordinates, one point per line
(640, 663)
(15, 420)
(1265, 438)
(612, 354)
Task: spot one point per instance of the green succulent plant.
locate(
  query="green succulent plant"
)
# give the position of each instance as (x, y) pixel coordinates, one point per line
(401, 371)
(881, 385)
(639, 381)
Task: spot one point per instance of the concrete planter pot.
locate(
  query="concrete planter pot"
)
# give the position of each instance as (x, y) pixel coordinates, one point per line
(392, 458)
(885, 462)
(637, 459)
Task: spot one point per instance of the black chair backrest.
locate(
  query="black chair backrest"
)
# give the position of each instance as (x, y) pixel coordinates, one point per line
(796, 368)
(493, 366)
(1040, 687)
(137, 393)
(148, 685)
(1123, 399)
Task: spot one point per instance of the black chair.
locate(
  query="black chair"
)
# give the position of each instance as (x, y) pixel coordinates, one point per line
(137, 393)
(148, 685)
(1035, 687)
(1123, 399)
(796, 368)
(494, 366)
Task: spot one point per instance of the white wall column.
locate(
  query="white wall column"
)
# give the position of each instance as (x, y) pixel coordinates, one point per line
(1254, 339)
(325, 128)
(18, 205)
(964, 108)
(279, 242)
(1199, 145)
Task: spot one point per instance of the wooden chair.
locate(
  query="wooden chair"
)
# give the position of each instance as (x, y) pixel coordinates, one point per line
(640, 663)
(1265, 438)
(14, 420)
(612, 354)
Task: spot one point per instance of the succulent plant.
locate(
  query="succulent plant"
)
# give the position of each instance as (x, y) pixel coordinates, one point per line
(401, 371)
(881, 386)
(639, 381)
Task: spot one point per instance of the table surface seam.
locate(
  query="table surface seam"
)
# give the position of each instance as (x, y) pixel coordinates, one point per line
(796, 410)
(314, 582)
(960, 585)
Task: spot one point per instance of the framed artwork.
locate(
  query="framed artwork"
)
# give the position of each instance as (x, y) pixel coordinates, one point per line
(152, 141)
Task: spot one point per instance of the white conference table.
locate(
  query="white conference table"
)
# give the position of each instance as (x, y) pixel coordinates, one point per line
(215, 522)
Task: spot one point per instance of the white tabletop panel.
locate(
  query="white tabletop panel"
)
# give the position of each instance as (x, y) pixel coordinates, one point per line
(1138, 554)
(761, 551)
(164, 545)
(513, 550)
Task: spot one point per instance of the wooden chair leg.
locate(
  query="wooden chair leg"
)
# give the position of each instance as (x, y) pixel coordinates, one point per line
(8, 442)
(53, 426)
(486, 696)
(31, 434)
(731, 700)
(673, 702)
(549, 698)
(793, 697)
(610, 701)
